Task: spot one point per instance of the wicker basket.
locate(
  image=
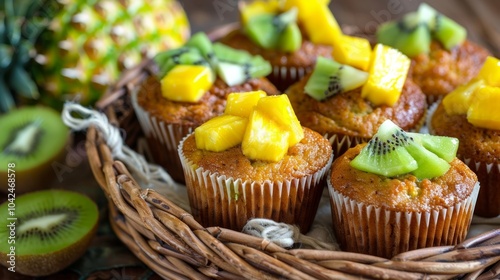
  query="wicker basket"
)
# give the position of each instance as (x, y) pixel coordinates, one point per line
(170, 242)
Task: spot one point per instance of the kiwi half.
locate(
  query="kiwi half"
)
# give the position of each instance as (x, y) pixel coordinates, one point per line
(46, 230)
(32, 139)
(393, 152)
(330, 77)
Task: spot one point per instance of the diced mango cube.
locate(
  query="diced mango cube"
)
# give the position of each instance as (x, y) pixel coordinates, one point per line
(354, 51)
(483, 110)
(458, 101)
(490, 71)
(257, 7)
(220, 133)
(317, 20)
(242, 103)
(279, 109)
(186, 83)
(388, 70)
(264, 139)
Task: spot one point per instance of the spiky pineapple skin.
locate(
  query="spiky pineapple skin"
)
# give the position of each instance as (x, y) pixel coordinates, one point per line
(89, 43)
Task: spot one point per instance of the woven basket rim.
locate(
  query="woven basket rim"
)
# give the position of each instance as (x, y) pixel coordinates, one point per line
(171, 243)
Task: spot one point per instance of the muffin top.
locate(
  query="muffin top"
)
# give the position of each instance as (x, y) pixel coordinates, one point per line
(405, 192)
(211, 104)
(304, 57)
(441, 70)
(477, 143)
(350, 114)
(308, 156)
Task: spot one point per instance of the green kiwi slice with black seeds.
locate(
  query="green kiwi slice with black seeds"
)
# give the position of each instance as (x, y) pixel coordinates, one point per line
(43, 232)
(32, 139)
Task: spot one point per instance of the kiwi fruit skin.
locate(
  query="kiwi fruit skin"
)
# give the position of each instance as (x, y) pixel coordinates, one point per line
(44, 264)
(40, 176)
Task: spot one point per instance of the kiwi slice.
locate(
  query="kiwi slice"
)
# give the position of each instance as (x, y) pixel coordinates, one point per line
(201, 42)
(46, 230)
(237, 66)
(267, 30)
(448, 32)
(330, 77)
(32, 139)
(411, 35)
(392, 152)
(185, 55)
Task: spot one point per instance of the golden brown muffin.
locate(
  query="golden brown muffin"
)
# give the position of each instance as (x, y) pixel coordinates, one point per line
(479, 148)
(288, 68)
(349, 115)
(227, 189)
(441, 71)
(166, 122)
(384, 216)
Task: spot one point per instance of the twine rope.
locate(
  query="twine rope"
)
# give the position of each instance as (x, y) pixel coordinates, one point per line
(283, 235)
(79, 118)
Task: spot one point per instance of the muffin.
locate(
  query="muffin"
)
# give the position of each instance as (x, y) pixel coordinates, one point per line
(292, 45)
(385, 215)
(348, 118)
(165, 117)
(275, 169)
(477, 127)
(443, 58)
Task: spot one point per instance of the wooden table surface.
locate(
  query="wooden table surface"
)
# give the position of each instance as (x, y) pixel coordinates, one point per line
(111, 259)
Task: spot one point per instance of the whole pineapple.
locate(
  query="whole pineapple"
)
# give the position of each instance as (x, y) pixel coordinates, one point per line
(60, 50)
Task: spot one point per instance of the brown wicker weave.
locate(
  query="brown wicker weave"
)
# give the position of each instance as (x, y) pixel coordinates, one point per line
(170, 242)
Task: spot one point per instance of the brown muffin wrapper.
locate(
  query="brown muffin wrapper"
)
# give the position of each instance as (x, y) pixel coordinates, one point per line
(282, 76)
(163, 140)
(341, 143)
(488, 175)
(377, 231)
(217, 200)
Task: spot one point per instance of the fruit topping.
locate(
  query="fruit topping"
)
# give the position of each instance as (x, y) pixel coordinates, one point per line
(265, 126)
(483, 110)
(205, 61)
(478, 99)
(241, 104)
(393, 152)
(33, 139)
(354, 51)
(330, 77)
(387, 76)
(250, 9)
(53, 228)
(221, 133)
(412, 34)
(275, 31)
(186, 83)
(490, 71)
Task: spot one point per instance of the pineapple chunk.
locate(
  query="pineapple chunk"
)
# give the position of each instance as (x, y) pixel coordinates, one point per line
(317, 20)
(279, 109)
(490, 71)
(354, 51)
(186, 83)
(251, 9)
(388, 70)
(264, 139)
(483, 111)
(458, 101)
(220, 133)
(242, 103)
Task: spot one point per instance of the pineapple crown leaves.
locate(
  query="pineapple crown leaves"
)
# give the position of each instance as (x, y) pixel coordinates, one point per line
(21, 22)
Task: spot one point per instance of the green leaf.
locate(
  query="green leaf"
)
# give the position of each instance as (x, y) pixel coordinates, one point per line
(6, 99)
(22, 83)
(6, 52)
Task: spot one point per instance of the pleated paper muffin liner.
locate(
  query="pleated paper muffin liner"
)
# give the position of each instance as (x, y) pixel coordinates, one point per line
(163, 139)
(488, 174)
(283, 76)
(373, 230)
(218, 200)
